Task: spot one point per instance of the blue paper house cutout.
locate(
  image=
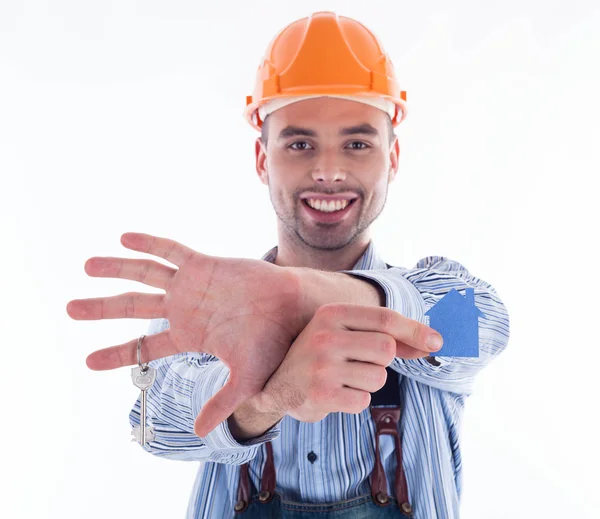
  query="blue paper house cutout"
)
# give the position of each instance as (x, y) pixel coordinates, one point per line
(455, 318)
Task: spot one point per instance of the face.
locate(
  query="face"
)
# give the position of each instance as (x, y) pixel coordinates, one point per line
(326, 149)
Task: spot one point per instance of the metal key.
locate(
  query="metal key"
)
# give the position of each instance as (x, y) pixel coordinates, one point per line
(143, 377)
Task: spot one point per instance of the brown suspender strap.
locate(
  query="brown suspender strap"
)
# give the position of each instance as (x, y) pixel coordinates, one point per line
(243, 497)
(386, 422)
(267, 483)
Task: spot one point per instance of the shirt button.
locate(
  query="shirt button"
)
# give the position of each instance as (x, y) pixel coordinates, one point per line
(311, 457)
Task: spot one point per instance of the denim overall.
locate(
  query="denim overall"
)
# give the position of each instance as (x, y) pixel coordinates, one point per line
(267, 504)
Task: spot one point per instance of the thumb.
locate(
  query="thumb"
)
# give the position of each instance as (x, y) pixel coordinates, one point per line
(219, 407)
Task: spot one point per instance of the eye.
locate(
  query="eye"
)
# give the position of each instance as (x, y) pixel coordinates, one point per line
(359, 145)
(300, 145)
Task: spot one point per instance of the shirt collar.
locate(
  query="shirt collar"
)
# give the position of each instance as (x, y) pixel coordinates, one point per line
(370, 260)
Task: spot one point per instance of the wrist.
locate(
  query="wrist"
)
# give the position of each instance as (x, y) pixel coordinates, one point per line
(252, 419)
(308, 292)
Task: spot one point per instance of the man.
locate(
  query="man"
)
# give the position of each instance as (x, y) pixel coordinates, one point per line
(316, 394)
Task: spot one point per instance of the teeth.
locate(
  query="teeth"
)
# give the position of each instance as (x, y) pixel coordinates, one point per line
(327, 206)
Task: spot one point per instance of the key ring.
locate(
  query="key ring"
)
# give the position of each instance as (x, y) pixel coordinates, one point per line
(143, 368)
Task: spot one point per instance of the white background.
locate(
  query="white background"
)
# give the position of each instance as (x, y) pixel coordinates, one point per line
(120, 116)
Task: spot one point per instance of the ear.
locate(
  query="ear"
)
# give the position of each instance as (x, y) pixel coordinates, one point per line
(394, 156)
(261, 161)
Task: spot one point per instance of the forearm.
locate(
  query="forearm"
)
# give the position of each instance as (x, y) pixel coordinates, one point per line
(321, 287)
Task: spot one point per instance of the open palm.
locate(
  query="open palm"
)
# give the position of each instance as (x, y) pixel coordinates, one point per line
(245, 312)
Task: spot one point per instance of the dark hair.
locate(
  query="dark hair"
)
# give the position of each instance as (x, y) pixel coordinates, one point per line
(264, 131)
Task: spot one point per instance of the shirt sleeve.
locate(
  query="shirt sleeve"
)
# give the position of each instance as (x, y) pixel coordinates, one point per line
(412, 292)
(185, 381)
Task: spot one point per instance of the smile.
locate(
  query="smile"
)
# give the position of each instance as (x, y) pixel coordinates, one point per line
(328, 211)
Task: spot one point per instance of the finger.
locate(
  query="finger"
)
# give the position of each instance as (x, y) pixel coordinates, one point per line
(149, 272)
(220, 407)
(363, 375)
(374, 347)
(350, 400)
(379, 319)
(154, 346)
(133, 305)
(404, 351)
(162, 247)
(377, 348)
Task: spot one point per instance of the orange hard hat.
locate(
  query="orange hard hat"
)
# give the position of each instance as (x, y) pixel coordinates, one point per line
(325, 54)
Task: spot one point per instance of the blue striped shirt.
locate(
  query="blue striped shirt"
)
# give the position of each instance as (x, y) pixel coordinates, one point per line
(432, 399)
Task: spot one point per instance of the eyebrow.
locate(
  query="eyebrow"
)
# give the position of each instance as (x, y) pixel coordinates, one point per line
(295, 131)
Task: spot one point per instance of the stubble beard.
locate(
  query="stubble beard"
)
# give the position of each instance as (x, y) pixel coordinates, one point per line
(321, 236)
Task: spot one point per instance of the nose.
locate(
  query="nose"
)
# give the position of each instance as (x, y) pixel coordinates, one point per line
(327, 169)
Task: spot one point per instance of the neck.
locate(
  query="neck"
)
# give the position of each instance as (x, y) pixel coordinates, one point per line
(295, 253)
